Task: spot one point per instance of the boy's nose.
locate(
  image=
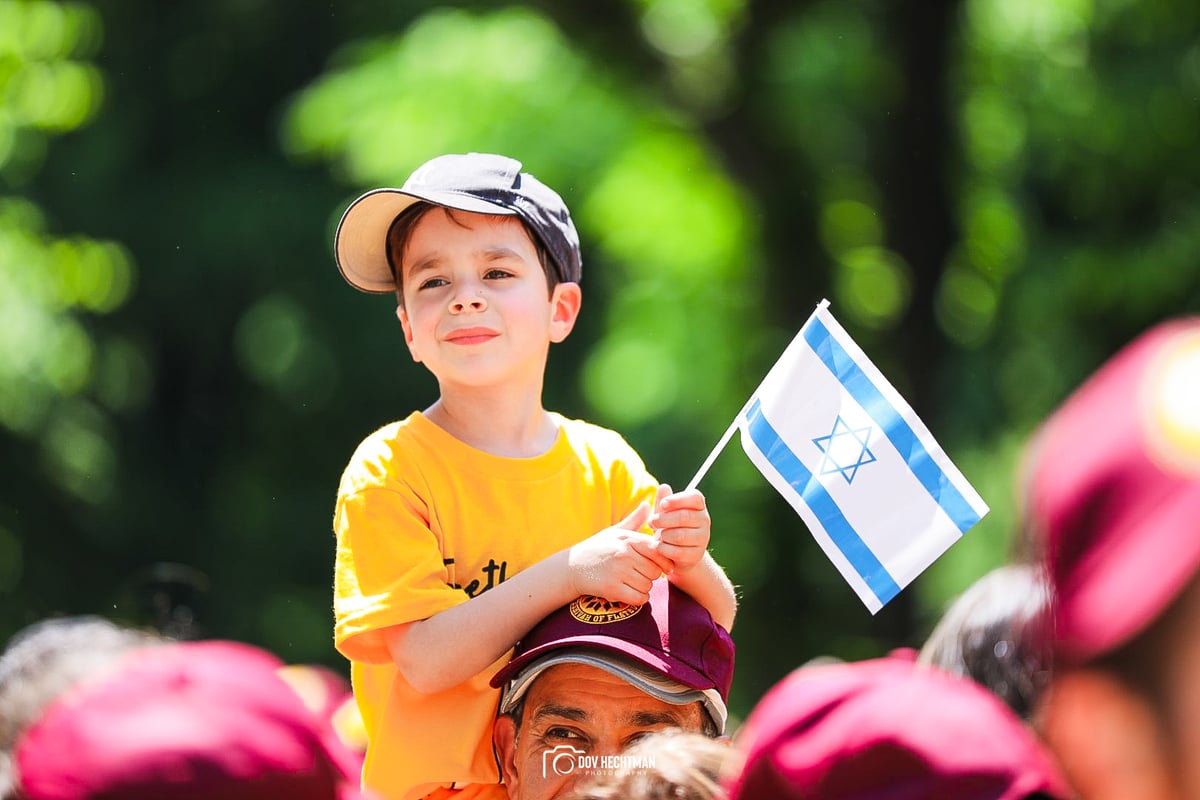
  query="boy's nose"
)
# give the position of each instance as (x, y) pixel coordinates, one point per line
(468, 300)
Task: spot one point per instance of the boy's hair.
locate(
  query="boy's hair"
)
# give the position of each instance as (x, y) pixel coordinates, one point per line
(405, 223)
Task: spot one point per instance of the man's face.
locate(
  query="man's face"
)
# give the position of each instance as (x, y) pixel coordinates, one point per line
(574, 710)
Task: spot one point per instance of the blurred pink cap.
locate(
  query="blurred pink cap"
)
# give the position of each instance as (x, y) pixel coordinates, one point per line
(1114, 491)
(888, 730)
(186, 721)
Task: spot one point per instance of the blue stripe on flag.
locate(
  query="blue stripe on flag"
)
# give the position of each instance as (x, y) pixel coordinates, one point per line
(822, 504)
(907, 443)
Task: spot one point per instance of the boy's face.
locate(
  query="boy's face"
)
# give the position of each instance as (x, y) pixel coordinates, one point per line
(477, 311)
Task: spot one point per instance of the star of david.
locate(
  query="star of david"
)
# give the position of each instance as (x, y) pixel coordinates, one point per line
(845, 449)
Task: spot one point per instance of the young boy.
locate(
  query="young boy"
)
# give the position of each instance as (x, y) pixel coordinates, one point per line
(461, 526)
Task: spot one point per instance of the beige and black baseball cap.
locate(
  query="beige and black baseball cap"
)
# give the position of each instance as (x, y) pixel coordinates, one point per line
(483, 183)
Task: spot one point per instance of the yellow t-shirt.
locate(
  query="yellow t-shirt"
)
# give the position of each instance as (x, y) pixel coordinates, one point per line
(423, 523)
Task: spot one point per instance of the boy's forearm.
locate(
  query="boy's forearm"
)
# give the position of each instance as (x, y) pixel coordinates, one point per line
(451, 646)
(708, 584)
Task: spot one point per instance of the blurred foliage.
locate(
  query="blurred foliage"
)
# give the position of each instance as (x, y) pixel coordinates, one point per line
(994, 195)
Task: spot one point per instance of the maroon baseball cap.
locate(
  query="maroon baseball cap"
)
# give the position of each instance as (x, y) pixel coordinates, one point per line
(669, 647)
(888, 728)
(482, 183)
(188, 721)
(1114, 491)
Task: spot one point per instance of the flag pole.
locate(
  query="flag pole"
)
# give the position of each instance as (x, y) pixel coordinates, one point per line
(724, 440)
(716, 451)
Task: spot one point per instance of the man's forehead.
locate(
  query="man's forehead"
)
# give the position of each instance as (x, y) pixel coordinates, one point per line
(580, 692)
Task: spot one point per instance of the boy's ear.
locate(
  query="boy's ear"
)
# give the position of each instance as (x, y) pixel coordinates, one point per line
(1106, 737)
(566, 300)
(406, 326)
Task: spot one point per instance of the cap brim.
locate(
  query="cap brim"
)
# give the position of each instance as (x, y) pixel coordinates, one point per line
(360, 244)
(660, 687)
(676, 670)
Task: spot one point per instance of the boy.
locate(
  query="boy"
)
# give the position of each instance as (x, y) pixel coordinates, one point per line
(461, 526)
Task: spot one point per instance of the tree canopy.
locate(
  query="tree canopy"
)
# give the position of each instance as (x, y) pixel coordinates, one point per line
(995, 195)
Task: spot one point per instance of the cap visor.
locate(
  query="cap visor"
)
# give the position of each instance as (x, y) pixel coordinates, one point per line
(658, 686)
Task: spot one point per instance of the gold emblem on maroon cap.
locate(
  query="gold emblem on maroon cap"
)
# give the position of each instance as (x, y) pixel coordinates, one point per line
(1172, 399)
(598, 611)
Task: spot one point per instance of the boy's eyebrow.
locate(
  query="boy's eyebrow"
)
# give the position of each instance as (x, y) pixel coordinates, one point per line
(500, 251)
(488, 253)
(424, 265)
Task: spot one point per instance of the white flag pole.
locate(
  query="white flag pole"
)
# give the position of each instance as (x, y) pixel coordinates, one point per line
(716, 451)
(733, 426)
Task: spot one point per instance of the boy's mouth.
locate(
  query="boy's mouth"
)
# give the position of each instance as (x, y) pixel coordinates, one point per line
(471, 335)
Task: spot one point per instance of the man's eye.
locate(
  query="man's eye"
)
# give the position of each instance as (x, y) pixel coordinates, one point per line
(563, 733)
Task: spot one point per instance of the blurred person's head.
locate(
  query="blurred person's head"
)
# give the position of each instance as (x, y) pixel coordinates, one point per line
(594, 677)
(991, 634)
(43, 660)
(1114, 502)
(206, 720)
(665, 765)
(888, 729)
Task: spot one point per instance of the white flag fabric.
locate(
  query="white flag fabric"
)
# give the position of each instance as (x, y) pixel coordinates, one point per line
(829, 432)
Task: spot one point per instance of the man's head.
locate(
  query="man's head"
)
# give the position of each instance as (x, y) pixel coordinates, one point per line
(888, 728)
(1114, 502)
(48, 658)
(189, 721)
(991, 634)
(480, 183)
(594, 677)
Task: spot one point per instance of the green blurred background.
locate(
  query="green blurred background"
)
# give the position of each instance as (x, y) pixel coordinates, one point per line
(994, 195)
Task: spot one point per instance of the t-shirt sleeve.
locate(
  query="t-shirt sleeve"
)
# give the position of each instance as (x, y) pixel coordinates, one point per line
(629, 481)
(388, 569)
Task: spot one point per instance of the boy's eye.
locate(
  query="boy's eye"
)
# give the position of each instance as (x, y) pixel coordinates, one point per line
(432, 283)
(493, 274)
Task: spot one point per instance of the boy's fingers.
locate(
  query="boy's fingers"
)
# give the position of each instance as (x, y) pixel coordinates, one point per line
(637, 518)
(664, 491)
(650, 550)
(693, 537)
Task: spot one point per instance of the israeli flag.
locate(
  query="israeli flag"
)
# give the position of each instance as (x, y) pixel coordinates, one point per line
(876, 490)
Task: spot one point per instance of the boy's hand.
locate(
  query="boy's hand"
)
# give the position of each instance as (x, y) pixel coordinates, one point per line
(682, 527)
(616, 563)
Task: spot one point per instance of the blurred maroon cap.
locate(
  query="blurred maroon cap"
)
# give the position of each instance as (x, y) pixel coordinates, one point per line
(888, 729)
(188, 721)
(669, 637)
(1114, 491)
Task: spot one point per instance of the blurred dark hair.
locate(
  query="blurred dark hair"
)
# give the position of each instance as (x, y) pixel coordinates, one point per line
(995, 634)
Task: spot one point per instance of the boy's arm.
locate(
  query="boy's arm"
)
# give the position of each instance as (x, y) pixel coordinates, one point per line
(683, 529)
(711, 588)
(451, 646)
